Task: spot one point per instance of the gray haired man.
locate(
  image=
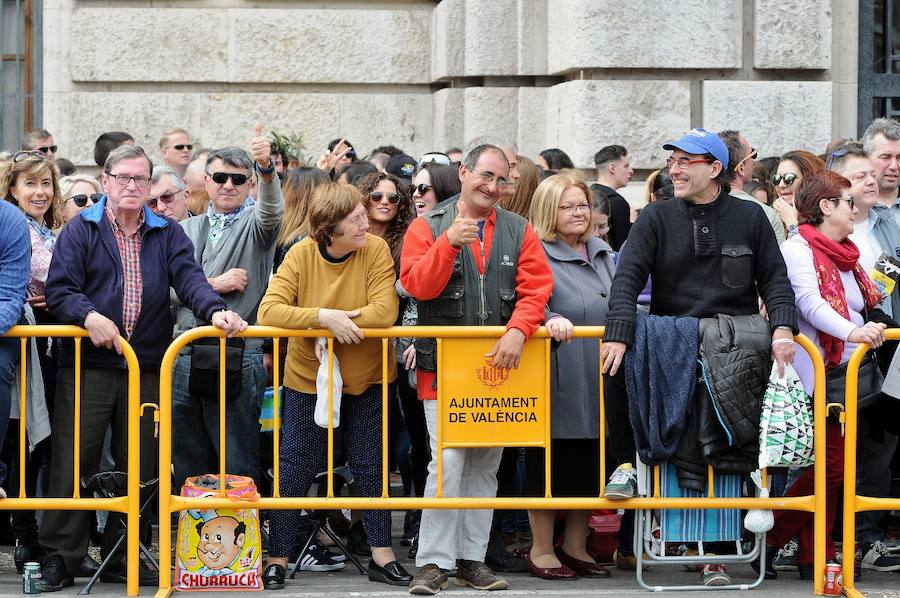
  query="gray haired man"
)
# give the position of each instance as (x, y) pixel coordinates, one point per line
(168, 194)
(234, 242)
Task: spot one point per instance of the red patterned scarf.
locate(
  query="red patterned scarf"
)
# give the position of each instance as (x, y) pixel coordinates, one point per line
(830, 258)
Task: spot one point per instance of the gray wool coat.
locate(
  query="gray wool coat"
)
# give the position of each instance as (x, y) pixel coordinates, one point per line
(581, 295)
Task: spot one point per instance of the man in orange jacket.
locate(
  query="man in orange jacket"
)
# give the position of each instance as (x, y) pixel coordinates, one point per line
(469, 264)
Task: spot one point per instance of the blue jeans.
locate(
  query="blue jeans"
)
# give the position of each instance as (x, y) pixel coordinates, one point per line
(9, 358)
(195, 423)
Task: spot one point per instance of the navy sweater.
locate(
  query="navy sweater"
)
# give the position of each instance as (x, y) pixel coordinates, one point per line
(86, 275)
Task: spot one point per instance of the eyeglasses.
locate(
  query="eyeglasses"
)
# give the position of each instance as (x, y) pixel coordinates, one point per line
(183, 146)
(167, 197)
(438, 157)
(25, 154)
(788, 178)
(220, 178)
(849, 200)
(601, 229)
(82, 199)
(489, 178)
(377, 196)
(46, 148)
(684, 163)
(124, 179)
(422, 189)
(575, 207)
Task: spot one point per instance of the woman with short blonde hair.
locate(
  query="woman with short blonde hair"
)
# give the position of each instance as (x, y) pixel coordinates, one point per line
(78, 192)
(583, 268)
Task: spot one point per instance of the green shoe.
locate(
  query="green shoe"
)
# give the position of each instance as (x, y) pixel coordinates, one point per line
(622, 483)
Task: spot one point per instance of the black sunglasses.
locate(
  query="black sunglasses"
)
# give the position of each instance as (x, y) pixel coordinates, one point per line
(351, 155)
(378, 196)
(46, 148)
(179, 147)
(82, 199)
(421, 188)
(788, 177)
(220, 178)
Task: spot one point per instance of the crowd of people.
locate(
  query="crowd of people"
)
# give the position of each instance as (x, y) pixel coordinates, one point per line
(729, 257)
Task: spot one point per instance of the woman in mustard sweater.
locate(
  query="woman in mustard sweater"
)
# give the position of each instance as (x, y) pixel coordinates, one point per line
(340, 278)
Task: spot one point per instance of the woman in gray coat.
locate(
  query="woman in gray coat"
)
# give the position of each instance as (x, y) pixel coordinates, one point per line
(582, 275)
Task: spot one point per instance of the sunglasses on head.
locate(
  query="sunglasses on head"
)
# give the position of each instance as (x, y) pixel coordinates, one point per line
(25, 154)
(82, 199)
(437, 157)
(421, 188)
(46, 148)
(378, 196)
(179, 147)
(788, 178)
(220, 178)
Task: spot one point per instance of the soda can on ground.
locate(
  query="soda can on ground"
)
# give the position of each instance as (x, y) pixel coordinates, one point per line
(30, 576)
(834, 580)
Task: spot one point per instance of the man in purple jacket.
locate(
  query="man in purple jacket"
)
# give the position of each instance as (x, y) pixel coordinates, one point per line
(111, 272)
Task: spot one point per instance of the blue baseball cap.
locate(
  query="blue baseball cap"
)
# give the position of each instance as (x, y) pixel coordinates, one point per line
(701, 141)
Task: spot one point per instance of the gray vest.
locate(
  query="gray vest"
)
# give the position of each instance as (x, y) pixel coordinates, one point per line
(472, 299)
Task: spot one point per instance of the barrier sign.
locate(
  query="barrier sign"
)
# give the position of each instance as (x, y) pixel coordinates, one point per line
(487, 405)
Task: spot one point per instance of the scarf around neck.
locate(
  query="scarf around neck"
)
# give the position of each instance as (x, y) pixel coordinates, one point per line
(219, 223)
(43, 231)
(830, 258)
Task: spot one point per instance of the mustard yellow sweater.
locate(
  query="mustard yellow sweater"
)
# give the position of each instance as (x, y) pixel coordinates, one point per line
(305, 282)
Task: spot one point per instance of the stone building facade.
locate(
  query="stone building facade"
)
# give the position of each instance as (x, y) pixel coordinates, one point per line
(426, 75)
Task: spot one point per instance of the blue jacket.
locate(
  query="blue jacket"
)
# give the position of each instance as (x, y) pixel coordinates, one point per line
(15, 264)
(86, 275)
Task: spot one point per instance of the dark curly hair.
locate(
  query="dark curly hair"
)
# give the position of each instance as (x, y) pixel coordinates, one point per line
(397, 228)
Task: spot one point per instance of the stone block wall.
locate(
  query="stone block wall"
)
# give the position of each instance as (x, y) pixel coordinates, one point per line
(426, 75)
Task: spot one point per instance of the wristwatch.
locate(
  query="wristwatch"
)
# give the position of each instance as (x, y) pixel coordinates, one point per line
(268, 170)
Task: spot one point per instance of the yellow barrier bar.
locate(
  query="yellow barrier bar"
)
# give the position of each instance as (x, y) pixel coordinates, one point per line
(330, 474)
(23, 401)
(440, 425)
(169, 503)
(129, 504)
(853, 503)
(602, 428)
(76, 470)
(223, 441)
(276, 425)
(384, 417)
(546, 443)
(710, 482)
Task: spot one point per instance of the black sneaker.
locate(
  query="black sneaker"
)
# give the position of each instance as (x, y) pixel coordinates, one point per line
(54, 575)
(273, 577)
(505, 563)
(876, 558)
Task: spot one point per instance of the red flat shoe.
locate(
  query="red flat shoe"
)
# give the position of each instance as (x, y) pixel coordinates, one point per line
(552, 573)
(582, 568)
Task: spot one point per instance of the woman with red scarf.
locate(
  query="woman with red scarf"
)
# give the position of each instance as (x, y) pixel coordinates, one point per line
(833, 294)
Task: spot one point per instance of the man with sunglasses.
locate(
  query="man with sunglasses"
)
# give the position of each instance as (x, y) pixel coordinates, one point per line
(175, 149)
(469, 264)
(740, 164)
(40, 140)
(234, 242)
(168, 194)
(111, 271)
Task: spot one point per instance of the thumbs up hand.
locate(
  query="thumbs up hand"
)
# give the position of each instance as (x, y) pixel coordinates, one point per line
(260, 147)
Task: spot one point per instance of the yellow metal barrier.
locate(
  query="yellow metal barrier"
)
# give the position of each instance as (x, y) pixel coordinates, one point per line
(129, 504)
(853, 503)
(169, 503)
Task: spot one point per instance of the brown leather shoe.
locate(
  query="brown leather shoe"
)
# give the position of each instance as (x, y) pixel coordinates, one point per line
(428, 581)
(582, 568)
(550, 572)
(477, 575)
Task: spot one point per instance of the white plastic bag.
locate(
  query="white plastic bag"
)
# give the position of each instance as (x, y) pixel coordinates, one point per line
(786, 422)
(321, 414)
(759, 521)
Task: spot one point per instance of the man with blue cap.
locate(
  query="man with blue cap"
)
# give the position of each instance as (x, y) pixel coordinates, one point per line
(710, 255)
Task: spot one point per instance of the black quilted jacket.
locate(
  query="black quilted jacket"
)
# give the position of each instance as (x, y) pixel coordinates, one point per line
(723, 427)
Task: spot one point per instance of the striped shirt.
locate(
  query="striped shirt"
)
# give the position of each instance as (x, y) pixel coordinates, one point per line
(130, 254)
